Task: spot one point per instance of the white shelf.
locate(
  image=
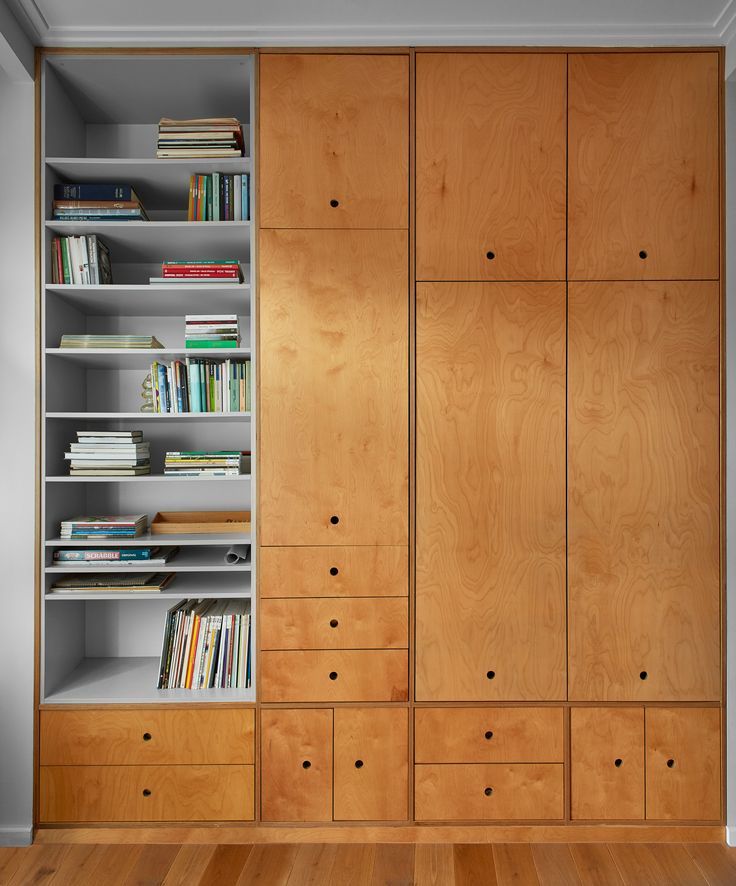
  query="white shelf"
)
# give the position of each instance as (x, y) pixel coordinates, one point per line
(148, 540)
(186, 584)
(140, 358)
(131, 681)
(150, 416)
(150, 478)
(155, 299)
(186, 560)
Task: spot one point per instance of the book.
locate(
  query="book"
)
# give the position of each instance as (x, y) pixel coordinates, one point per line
(117, 555)
(95, 192)
(96, 340)
(155, 557)
(105, 526)
(119, 582)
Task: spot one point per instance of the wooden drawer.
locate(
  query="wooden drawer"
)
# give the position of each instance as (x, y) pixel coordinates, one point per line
(339, 675)
(334, 571)
(490, 791)
(146, 793)
(141, 736)
(350, 623)
(488, 735)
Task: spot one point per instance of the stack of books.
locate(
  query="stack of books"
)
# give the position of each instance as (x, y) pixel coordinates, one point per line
(206, 645)
(97, 202)
(218, 197)
(223, 463)
(199, 272)
(203, 137)
(211, 331)
(132, 582)
(80, 261)
(114, 557)
(125, 526)
(96, 340)
(109, 454)
(201, 386)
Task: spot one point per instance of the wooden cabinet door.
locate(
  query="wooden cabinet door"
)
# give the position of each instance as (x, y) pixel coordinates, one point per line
(296, 765)
(607, 762)
(490, 588)
(684, 763)
(371, 764)
(334, 141)
(491, 166)
(334, 388)
(644, 166)
(644, 596)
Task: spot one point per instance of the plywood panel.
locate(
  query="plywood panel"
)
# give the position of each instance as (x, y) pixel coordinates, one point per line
(491, 166)
(334, 387)
(644, 480)
(644, 167)
(607, 763)
(371, 764)
(334, 128)
(296, 765)
(490, 491)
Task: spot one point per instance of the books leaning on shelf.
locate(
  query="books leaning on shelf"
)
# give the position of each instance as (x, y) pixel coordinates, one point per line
(205, 137)
(114, 557)
(201, 386)
(95, 340)
(113, 454)
(133, 582)
(82, 260)
(97, 202)
(206, 645)
(211, 331)
(123, 526)
(200, 272)
(219, 196)
(224, 463)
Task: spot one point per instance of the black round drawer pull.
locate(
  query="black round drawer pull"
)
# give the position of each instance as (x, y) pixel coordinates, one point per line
(490, 255)
(358, 764)
(334, 203)
(670, 764)
(306, 764)
(334, 520)
(146, 736)
(488, 792)
(146, 792)
(643, 675)
(334, 570)
(333, 622)
(333, 675)
(489, 735)
(618, 762)
(642, 253)
(491, 675)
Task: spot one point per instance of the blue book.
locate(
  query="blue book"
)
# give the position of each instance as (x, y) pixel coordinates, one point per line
(94, 192)
(163, 389)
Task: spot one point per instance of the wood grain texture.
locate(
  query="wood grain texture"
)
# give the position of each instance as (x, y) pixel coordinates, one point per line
(457, 792)
(353, 864)
(491, 166)
(683, 748)
(226, 864)
(189, 865)
(555, 865)
(154, 863)
(643, 166)
(393, 865)
(433, 865)
(39, 865)
(607, 763)
(335, 623)
(488, 735)
(656, 865)
(490, 591)
(377, 789)
(111, 865)
(514, 865)
(715, 861)
(474, 865)
(368, 571)
(334, 127)
(291, 791)
(644, 479)
(115, 793)
(102, 737)
(268, 865)
(312, 865)
(595, 864)
(361, 675)
(334, 347)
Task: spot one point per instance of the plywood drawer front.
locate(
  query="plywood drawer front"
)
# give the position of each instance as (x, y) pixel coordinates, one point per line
(140, 736)
(145, 793)
(339, 675)
(360, 623)
(607, 753)
(334, 571)
(488, 735)
(683, 763)
(484, 792)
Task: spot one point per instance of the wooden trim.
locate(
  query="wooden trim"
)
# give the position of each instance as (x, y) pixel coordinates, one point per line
(723, 420)
(37, 529)
(412, 442)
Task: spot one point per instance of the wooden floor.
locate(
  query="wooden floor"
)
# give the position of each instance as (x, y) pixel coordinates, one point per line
(523, 864)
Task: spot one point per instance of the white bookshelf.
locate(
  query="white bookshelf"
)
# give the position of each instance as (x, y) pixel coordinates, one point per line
(99, 124)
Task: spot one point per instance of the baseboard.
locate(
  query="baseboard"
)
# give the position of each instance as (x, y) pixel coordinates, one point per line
(16, 836)
(731, 836)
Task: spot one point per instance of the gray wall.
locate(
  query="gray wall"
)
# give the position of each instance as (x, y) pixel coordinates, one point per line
(17, 459)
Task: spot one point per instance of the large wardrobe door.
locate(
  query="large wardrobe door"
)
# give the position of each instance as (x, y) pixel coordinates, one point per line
(644, 614)
(490, 596)
(333, 387)
(643, 144)
(491, 187)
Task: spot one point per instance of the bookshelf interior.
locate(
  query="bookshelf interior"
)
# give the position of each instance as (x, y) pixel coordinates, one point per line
(99, 118)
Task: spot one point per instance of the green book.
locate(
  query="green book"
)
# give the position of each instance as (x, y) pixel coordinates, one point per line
(203, 344)
(65, 262)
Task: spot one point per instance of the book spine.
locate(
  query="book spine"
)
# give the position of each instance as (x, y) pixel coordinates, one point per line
(237, 197)
(216, 196)
(227, 197)
(94, 192)
(210, 198)
(245, 198)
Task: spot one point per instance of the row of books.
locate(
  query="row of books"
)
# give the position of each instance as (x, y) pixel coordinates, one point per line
(104, 526)
(97, 202)
(201, 137)
(206, 645)
(201, 463)
(113, 583)
(199, 272)
(218, 196)
(196, 385)
(109, 454)
(82, 260)
(211, 331)
(115, 557)
(99, 340)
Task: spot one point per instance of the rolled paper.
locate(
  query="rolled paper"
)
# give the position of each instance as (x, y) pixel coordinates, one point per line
(236, 553)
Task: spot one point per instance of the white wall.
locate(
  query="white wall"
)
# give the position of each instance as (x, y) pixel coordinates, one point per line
(17, 458)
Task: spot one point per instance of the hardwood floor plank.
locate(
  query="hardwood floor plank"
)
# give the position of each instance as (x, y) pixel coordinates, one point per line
(514, 864)
(393, 864)
(353, 864)
(269, 865)
(637, 864)
(555, 864)
(226, 865)
(38, 865)
(474, 864)
(77, 866)
(595, 864)
(312, 864)
(10, 860)
(110, 864)
(677, 866)
(716, 861)
(152, 866)
(434, 864)
(189, 865)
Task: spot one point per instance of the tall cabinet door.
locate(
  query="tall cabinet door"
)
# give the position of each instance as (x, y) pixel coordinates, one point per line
(333, 387)
(490, 585)
(491, 156)
(644, 612)
(643, 144)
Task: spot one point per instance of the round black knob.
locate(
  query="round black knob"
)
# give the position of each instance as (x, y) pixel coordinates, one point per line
(643, 675)
(670, 763)
(618, 762)
(488, 792)
(334, 520)
(146, 792)
(334, 203)
(333, 622)
(490, 674)
(334, 570)
(146, 736)
(333, 675)
(490, 255)
(642, 253)
(358, 764)
(306, 764)
(489, 735)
